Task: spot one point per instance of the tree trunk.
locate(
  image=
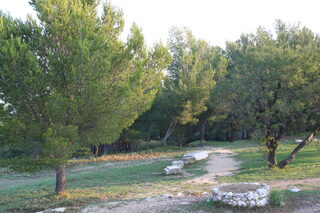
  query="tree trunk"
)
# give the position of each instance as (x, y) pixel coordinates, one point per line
(170, 129)
(61, 181)
(272, 158)
(203, 132)
(306, 141)
(272, 145)
(95, 150)
(231, 136)
(248, 135)
(100, 149)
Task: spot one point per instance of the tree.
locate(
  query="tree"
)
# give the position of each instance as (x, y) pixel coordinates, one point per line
(189, 80)
(307, 46)
(69, 80)
(269, 74)
(214, 105)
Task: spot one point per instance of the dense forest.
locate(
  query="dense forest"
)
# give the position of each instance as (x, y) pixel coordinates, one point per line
(70, 86)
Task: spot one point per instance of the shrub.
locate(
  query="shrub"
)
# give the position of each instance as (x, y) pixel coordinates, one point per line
(276, 198)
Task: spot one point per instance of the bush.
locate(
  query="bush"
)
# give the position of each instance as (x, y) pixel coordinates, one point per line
(276, 198)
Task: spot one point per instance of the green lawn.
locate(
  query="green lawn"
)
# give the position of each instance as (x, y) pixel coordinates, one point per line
(96, 180)
(254, 166)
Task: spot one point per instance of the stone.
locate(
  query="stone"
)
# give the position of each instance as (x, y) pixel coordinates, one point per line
(210, 199)
(172, 170)
(262, 202)
(167, 196)
(184, 203)
(229, 195)
(257, 197)
(200, 155)
(252, 204)
(237, 198)
(178, 163)
(294, 189)
(242, 203)
(240, 195)
(262, 192)
(61, 209)
(298, 140)
(189, 160)
(215, 190)
(252, 196)
(218, 197)
(266, 186)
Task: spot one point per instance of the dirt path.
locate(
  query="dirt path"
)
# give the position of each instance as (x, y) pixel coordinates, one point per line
(220, 163)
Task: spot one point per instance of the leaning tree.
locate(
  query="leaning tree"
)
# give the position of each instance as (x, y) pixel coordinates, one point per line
(67, 79)
(273, 76)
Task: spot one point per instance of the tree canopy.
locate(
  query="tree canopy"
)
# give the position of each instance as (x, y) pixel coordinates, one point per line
(68, 79)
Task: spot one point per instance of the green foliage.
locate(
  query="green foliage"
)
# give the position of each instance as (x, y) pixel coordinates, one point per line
(269, 76)
(190, 75)
(68, 80)
(186, 88)
(82, 152)
(276, 198)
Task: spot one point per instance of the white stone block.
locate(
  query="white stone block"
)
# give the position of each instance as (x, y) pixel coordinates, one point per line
(197, 155)
(178, 163)
(172, 170)
(189, 160)
(294, 189)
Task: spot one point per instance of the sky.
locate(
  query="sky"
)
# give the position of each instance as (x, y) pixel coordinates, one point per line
(216, 21)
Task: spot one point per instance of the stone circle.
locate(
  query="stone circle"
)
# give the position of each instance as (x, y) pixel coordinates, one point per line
(242, 194)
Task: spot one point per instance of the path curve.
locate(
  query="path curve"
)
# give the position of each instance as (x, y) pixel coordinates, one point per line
(220, 163)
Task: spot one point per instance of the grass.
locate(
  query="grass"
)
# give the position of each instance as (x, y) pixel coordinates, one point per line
(91, 181)
(254, 166)
(139, 175)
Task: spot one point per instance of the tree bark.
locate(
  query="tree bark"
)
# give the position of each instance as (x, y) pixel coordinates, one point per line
(100, 149)
(203, 132)
(170, 129)
(231, 136)
(61, 181)
(306, 141)
(272, 158)
(272, 145)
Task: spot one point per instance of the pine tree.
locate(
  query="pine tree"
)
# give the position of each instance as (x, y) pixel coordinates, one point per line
(69, 80)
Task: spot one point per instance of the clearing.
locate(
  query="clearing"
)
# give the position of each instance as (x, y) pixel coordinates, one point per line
(135, 182)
